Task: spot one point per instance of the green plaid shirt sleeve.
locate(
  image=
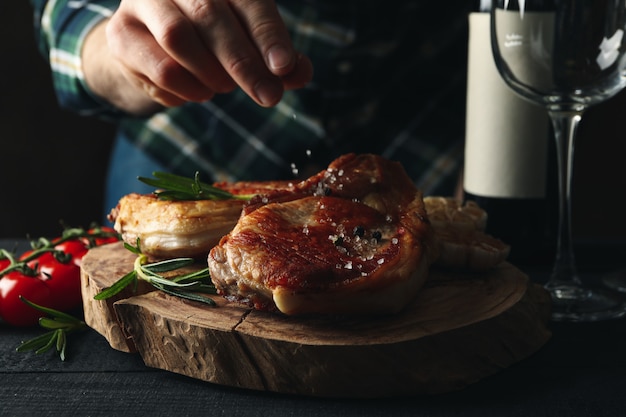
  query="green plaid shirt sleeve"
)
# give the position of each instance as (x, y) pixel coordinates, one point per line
(61, 26)
(388, 80)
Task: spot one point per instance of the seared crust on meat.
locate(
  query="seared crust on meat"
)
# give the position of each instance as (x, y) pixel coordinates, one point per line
(254, 187)
(353, 239)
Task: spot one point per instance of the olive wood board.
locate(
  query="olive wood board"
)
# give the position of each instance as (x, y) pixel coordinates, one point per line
(460, 329)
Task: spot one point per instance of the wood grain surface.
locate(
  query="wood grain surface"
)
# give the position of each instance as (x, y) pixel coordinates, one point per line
(460, 329)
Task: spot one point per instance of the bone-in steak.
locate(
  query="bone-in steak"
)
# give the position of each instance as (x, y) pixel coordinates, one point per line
(352, 239)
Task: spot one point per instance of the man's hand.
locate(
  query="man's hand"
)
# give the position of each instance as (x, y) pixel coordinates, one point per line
(174, 51)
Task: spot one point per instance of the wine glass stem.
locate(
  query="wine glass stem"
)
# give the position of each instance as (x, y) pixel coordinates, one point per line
(565, 125)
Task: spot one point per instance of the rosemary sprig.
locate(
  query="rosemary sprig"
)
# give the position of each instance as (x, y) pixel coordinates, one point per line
(59, 325)
(191, 286)
(175, 187)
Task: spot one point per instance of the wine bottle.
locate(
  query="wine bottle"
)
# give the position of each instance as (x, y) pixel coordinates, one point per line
(507, 148)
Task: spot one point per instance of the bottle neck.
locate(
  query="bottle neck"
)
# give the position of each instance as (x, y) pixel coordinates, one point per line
(484, 6)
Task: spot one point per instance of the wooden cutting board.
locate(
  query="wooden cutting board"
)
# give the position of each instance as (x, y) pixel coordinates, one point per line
(460, 328)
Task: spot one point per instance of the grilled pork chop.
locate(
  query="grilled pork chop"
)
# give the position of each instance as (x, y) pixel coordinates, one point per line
(169, 229)
(352, 239)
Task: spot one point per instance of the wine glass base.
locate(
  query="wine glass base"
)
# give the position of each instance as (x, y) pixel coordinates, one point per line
(575, 304)
(616, 281)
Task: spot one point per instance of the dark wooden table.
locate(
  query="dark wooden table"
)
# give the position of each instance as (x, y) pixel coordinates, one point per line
(581, 371)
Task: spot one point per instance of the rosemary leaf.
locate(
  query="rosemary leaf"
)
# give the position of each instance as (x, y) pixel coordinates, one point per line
(176, 187)
(168, 265)
(59, 315)
(187, 295)
(54, 334)
(61, 339)
(169, 195)
(169, 283)
(36, 343)
(136, 250)
(206, 288)
(117, 287)
(61, 344)
(48, 323)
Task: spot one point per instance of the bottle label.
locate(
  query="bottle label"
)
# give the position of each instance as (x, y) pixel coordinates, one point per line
(506, 140)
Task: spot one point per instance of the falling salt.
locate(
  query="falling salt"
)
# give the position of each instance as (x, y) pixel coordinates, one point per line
(308, 152)
(294, 169)
(320, 190)
(380, 261)
(394, 240)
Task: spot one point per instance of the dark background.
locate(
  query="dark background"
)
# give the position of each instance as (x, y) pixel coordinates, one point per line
(52, 163)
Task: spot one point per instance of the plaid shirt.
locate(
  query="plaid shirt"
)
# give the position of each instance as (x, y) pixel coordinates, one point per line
(387, 80)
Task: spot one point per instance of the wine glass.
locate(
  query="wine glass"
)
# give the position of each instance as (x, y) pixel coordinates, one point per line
(565, 55)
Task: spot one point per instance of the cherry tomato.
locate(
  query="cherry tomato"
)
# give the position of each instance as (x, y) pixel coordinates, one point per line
(98, 241)
(13, 310)
(25, 255)
(56, 283)
(63, 279)
(75, 248)
(4, 263)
